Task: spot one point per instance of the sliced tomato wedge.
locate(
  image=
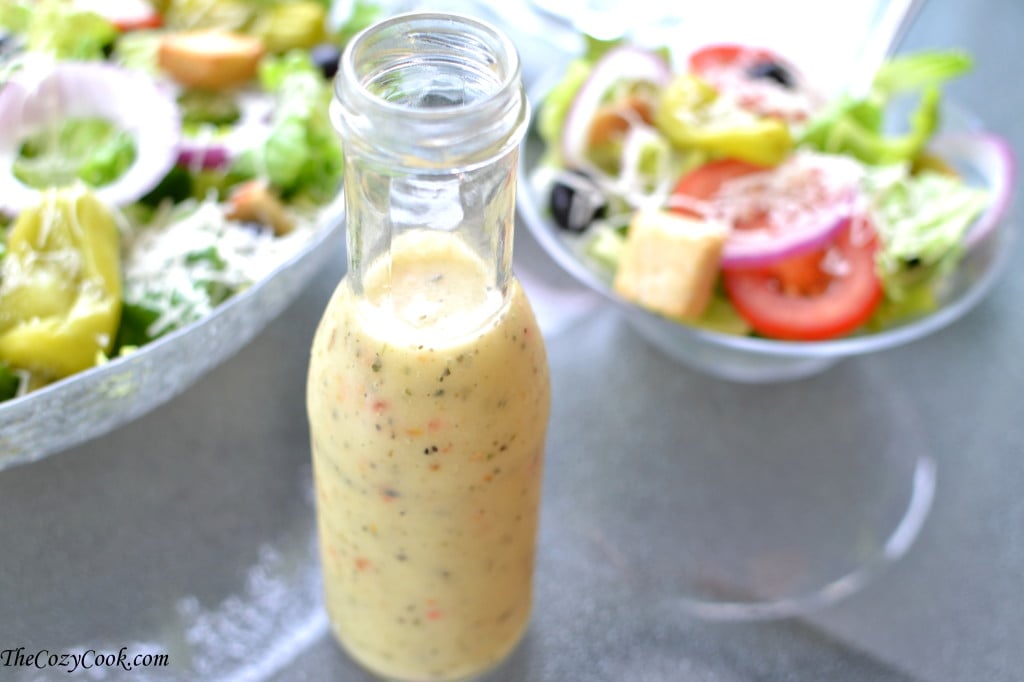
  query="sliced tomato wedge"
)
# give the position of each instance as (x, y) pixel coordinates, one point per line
(814, 296)
(704, 182)
(141, 23)
(761, 80)
(712, 58)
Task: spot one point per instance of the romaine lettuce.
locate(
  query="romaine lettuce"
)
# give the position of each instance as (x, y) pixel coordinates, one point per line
(60, 29)
(857, 126)
(551, 118)
(9, 383)
(91, 149)
(921, 221)
(302, 156)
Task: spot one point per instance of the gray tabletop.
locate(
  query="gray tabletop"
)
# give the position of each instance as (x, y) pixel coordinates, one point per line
(190, 531)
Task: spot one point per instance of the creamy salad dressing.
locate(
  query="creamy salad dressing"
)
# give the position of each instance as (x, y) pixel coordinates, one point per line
(428, 402)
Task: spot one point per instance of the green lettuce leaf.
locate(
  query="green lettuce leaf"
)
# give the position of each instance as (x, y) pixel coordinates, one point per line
(302, 155)
(363, 14)
(920, 70)
(856, 127)
(139, 50)
(921, 221)
(9, 382)
(552, 115)
(721, 316)
(606, 246)
(58, 28)
(91, 149)
(15, 15)
(134, 329)
(201, 108)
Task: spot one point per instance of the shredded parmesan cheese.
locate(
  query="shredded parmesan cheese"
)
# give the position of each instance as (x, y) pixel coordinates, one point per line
(171, 264)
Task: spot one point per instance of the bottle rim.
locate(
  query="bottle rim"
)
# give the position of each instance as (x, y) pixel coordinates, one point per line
(480, 128)
(504, 49)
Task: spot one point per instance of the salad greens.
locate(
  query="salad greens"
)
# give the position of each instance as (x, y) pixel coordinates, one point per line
(302, 154)
(58, 28)
(94, 262)
(362, 13)
(203, 107)
(922, 220)
(551, 118)
(857, 126)
(9, 383)
(91, 149)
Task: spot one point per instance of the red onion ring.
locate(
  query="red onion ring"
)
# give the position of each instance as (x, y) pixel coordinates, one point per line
(808, 200)
(757, 250)
(203, 158)
(208, 149)
(622, 63)
(990, 157)
(131, 100)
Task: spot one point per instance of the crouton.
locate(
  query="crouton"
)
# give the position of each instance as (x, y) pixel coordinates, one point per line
(612, 120)
(670, 262)
(255, 202)
(209, 59)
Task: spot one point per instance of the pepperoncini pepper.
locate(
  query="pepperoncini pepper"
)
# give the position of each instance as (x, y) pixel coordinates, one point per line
(60, 285)
(692, 116)
(295, 25)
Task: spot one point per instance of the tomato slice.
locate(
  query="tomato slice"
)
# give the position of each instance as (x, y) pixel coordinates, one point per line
(815, 296)
(141, 23)
(761, 80)
(792, 208)
(704, 182)
(819, 293)
(728, 56)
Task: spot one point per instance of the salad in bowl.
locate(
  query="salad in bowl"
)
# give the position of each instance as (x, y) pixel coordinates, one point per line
(156, 159)
(754, 228)
(169, 182)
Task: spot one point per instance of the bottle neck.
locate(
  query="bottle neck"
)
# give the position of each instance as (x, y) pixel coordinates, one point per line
(431, 111)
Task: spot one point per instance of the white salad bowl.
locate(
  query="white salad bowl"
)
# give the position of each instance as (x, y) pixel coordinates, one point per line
(982, 159)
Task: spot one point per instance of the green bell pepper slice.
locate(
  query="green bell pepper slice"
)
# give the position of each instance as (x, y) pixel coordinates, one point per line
(60, 285)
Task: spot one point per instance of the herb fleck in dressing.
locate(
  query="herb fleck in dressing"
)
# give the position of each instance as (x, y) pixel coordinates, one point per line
(428, 403)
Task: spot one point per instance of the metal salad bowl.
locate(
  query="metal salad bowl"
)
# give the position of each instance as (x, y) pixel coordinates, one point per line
(94, 402)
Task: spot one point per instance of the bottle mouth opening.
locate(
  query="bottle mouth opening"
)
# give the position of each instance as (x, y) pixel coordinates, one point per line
(430, 90)
(428, 65)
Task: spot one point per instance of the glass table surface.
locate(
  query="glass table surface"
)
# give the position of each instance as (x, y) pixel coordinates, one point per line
(190, 531)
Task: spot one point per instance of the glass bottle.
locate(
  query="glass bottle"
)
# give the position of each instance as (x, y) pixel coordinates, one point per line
(428, 390)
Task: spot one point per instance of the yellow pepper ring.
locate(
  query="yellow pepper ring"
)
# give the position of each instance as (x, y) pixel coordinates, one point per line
(690, 114)
(60, 285)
